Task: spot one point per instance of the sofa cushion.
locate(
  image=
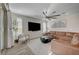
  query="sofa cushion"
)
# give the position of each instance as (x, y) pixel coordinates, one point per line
(53, 33)
(69, 34)
(65, 38)
(75, 40)
(60, 33)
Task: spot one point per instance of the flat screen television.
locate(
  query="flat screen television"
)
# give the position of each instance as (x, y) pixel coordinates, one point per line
(32, 26)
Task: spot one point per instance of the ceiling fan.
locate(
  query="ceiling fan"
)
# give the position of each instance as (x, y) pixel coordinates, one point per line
(53, 16)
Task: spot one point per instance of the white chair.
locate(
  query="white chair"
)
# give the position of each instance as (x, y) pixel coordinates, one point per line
(23, 38)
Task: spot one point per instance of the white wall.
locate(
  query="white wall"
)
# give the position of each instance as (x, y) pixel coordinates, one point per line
(71, 16)
(72, 24)
(25, 20)
(32, 34)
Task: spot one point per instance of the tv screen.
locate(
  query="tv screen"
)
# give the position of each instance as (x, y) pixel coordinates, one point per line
(33, 26)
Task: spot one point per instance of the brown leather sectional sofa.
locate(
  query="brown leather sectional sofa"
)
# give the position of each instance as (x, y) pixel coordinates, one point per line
(61, 35)
(62, 43)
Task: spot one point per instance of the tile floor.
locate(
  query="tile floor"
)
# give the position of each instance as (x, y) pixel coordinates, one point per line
(39, 48)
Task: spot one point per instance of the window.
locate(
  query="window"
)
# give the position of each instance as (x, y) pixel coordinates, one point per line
(19, 21)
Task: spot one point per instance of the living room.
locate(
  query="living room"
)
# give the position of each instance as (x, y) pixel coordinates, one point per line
(28, 23)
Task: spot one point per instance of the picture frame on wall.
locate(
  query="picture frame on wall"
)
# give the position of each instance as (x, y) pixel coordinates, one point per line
(59, 24)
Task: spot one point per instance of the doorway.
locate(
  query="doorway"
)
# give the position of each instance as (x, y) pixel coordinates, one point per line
(44, 26)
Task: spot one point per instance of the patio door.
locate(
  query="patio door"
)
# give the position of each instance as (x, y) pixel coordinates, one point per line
(10, 30)
(1, 29)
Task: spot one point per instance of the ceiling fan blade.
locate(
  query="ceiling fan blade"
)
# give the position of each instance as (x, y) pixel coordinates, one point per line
(52, 16)
(54, 12)
(45, 12)
(57, 15)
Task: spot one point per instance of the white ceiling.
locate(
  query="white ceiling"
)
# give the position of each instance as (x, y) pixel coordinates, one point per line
(36, 9)
(70, 8)
(29, 9)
